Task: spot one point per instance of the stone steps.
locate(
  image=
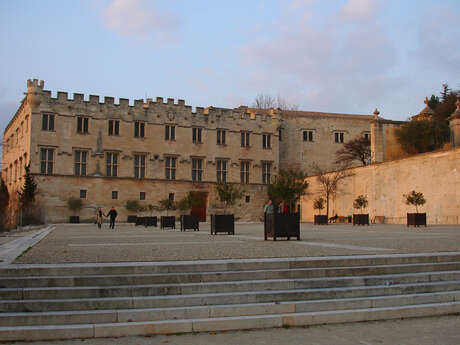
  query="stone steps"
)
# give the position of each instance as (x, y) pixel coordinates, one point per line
(219, 287)
(79, 269)
(120, 329)
(45, 302)
(219, 276)
(224, 310)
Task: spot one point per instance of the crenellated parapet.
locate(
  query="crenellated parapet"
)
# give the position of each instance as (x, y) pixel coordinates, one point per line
(158, 111)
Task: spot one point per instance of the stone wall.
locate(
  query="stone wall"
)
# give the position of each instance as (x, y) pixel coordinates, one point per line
(52, 201)
(435, 174)
(297, 153)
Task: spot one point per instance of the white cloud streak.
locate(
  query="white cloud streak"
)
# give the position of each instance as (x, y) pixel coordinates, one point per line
(141, 20)
(337, 66)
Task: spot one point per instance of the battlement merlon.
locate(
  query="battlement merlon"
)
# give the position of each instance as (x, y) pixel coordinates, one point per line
(31, 83)
(37, 95)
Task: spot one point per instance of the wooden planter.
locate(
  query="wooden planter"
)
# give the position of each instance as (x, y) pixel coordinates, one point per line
(74, 219)
(222, 223)
(188, 222)
(320, 219)
(282, 225)
(168, 222)
(361, 219)
(147, 221)
(416, 219)
(132, 219)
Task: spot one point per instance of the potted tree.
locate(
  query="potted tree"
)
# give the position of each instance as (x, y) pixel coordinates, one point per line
(417, 199)
(318, 204)
(287, 187)
(189, 221)
(229, 194)
(360, 218)
(74, 204)
(167, 221)
(132, 206)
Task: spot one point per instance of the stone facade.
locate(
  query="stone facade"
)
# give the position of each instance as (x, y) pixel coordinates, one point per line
(108, 153)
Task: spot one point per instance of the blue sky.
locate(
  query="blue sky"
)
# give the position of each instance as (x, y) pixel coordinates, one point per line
(347, 56)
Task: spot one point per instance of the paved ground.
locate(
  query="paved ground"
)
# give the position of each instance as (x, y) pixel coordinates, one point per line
(86, 243)
(424, 331)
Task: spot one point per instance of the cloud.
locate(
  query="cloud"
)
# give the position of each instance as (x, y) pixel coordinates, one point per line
(141, 20)
(438, 42)
(331, 67)
(359, 10)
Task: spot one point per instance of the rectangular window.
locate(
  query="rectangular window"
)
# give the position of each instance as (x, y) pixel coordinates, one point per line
(80, 162)
(111, 160)
(141, 195)
(170, 132)
(367, 136)
(171, 196)
(48, 122)
(244, 139)
(279, 134)
(266, 172)
(46, 161)
(266, 141)
(82, 193)
(244, 172)
(82, 124)
(307, 135)
(114, 195)
(221, 133)
(114, 127)
(338, 137)
(139, 166)
(196, 135)
(221, 167)
(248, 199)
(197, 169)
(139, 129)
(170, 168)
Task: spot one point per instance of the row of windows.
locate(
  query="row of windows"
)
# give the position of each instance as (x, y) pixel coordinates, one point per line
(112, 164)
(48, 124)
(16, 170)
(19, 133)
(308, 135)
(142, 195)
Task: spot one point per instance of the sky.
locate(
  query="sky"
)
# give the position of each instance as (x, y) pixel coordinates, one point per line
(344, 56)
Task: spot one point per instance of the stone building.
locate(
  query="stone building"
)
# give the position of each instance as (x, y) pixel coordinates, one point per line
(107, 153)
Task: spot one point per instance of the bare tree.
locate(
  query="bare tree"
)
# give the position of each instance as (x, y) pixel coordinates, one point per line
(284, 105)
(264, 101)
(329, 182)
(358, 149)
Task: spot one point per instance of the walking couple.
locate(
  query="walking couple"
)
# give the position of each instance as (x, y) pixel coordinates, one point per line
(112, 214)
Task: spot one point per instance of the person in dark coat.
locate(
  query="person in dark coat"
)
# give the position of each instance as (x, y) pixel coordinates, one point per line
(112, 214)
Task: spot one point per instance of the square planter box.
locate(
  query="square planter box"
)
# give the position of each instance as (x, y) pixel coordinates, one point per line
(282, 225)
(320, 219)
(168, 222)
(222, 223)
(74, 219)
(361, 219)
(416, 219)
(189, 222)
(132, 219)
(147, 221)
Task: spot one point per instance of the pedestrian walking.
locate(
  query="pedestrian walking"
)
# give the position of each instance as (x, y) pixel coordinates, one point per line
(113, 215)
(99, 215)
